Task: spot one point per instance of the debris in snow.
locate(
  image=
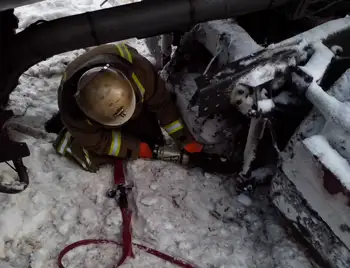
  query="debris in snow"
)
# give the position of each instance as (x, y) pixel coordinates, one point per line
(9, 179)
(6, 178)
(320, 147)
(149, 201)
(154, 186)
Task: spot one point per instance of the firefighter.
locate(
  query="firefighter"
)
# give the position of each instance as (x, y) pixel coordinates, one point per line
(113, 104)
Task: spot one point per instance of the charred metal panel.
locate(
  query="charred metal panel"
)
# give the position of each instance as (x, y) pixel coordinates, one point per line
(327, 248)
(314, 186)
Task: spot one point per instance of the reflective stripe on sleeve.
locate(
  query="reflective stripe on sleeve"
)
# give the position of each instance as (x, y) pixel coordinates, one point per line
(174, 127)
(64, 142)
(120, 50)
(87, 157)
(81, 162)
(115, 144)
(139, 85)
(64, 77)
(125, 53)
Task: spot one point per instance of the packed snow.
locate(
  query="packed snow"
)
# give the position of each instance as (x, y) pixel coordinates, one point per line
(182, 212)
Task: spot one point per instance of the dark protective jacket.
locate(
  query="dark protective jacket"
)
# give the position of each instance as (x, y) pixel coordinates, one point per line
(88, 141)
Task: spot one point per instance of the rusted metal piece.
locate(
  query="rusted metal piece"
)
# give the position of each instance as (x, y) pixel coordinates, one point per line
(331, 183)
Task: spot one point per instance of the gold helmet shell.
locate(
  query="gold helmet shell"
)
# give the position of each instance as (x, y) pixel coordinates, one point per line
(106, 95)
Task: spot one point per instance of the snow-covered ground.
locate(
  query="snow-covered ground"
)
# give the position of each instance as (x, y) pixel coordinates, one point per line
(182, 212)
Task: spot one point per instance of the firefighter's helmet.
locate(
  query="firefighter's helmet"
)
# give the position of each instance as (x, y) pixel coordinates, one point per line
(106, 95)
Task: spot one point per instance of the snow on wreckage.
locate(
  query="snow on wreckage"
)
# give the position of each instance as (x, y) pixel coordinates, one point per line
(182, 212)
(307, 66)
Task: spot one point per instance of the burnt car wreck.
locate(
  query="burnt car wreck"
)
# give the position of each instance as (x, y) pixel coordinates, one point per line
(280, 111)
(272, 90)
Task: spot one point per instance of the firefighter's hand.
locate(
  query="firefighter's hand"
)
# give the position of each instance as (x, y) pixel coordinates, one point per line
(193, 147)
(145, 151)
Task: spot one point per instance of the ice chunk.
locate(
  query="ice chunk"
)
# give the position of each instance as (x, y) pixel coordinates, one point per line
(149, 200)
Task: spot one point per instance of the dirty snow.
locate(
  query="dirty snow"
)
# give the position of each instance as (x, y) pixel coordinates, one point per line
(182, 212)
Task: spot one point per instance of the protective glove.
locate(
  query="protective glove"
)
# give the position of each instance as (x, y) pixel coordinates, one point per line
(145, 151)
(194, 147)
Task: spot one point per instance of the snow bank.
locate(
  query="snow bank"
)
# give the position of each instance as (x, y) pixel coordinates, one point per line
(54, 9)
(183, 212)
